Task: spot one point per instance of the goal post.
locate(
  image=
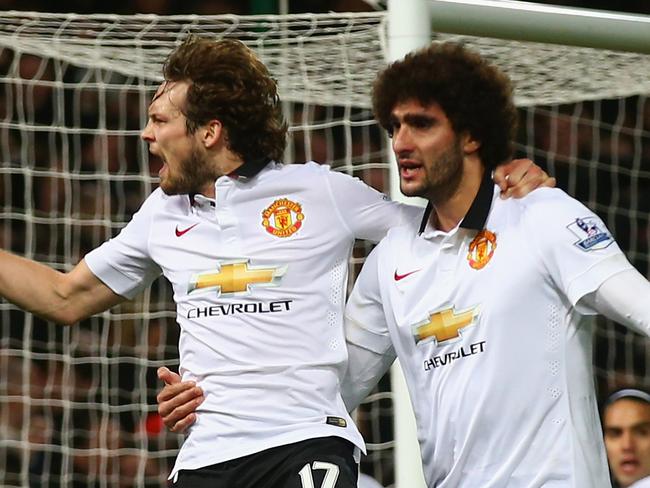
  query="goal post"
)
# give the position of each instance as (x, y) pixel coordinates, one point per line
(409, 28)
(77, 405)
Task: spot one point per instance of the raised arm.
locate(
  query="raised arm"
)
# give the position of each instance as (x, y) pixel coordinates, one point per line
(65, 298)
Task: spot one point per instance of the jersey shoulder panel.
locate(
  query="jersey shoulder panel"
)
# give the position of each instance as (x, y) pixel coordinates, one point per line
(546, 214)
(571, 241)
(309, 167)
(537, 202)
(172, 203)
(551, 214)
(402, 234)
(159, 197)
(159, 201)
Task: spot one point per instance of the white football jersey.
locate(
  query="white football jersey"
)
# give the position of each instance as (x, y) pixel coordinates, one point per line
(259, 278)
(642, 483)
(487, 324)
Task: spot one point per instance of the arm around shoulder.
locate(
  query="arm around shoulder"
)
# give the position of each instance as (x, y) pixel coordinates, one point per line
(364, 211)
(61, 297)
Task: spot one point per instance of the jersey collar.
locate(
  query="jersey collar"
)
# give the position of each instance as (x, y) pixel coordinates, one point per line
(477, 215)
(478, 212)
(241, 174)
(250, 168)
(199, 200)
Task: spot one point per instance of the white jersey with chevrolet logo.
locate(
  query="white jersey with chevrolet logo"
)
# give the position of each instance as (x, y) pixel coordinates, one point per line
(488, 328)
(259, 278)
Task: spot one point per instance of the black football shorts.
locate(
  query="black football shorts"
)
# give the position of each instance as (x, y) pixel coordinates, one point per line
(326, 462)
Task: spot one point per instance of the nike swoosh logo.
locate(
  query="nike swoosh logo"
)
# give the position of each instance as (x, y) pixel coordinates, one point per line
(180, 232)
(402, 276)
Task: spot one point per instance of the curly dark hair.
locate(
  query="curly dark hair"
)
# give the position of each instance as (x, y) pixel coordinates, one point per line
(228, 82)
(475, 96)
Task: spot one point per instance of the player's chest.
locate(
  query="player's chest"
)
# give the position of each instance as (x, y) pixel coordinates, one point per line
(443, 286)
(264, 243)
(278, 226)
(453, 306)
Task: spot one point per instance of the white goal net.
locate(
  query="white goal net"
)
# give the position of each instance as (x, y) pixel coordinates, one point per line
(77, 404)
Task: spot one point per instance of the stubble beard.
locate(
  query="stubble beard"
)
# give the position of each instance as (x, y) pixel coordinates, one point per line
(444, 176)
(192, 175)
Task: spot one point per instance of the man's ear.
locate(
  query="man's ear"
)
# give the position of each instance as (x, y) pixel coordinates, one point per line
(469, 144)
(212, 133)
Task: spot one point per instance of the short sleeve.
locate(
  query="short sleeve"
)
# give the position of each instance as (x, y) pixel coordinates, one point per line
(577, 249)
(123, 263)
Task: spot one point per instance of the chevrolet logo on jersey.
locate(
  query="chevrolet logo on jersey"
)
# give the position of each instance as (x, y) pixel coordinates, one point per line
(235, 277)
(444, 325)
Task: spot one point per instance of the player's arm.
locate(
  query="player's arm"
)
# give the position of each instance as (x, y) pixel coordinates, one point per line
(624, 298)
(177, 401)
(65, 298)
(370, 348)
(519, 177)
(365, 368)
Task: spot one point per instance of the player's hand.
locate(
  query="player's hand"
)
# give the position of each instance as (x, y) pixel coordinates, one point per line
(519, 177)
(177, 401)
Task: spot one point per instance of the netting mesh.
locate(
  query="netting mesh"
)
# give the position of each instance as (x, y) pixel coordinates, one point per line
(319, 58)
(77, 405)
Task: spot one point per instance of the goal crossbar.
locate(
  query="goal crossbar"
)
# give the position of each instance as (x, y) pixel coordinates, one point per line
(527, 21)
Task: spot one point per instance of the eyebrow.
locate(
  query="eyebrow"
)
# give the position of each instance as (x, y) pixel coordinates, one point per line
(173, 112)
(414, 118)
(419, 118)
(633, 426)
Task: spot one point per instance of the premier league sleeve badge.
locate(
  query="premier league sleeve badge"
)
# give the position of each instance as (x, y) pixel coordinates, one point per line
(592, 234)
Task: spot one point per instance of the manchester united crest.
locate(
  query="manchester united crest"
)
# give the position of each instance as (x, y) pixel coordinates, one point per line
(283, 218)
(481, 249)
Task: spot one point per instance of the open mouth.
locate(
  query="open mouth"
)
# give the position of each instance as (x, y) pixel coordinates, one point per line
(629, 466)
(409, 170)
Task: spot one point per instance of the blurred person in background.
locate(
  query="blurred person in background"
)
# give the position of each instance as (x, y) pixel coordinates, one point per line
(626, 424)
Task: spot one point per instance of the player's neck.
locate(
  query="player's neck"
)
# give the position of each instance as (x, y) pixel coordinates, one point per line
(451, 212)
(224, 163)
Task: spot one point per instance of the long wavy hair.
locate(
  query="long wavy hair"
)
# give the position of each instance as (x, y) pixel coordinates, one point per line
(228, 82)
